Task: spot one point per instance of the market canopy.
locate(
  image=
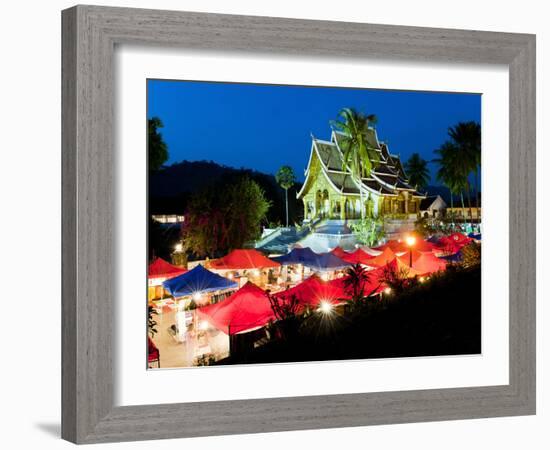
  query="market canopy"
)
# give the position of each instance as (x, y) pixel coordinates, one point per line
(382, 259)
(302, 256)
(247, 309)
(197, 280)
(453, 243)
(406, 257)
(425, 246)
(424, 263)
(243, 259)
(312, 291)
(308, 258)
(160, 268)
(398, 266)
(461, 238)
(359, 256)
(327, 262)
(339, 252)
(394, 245)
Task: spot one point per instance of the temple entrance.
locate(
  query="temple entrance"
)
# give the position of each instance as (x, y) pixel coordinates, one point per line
(326, 204)
(318, 203)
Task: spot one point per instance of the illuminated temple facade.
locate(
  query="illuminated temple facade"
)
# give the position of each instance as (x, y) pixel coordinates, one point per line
(330, 191)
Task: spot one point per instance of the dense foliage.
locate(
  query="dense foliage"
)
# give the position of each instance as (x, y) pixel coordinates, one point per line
(171, 188)
(459, 160)
(224, 217)
(369, 230)
(157, 148)
(471, 255)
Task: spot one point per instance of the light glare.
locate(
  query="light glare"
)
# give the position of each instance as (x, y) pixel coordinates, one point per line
(325, 307)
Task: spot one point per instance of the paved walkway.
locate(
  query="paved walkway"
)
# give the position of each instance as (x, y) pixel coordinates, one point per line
(183, 354)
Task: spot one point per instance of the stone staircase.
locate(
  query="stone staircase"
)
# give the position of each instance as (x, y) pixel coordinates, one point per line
(280, 240)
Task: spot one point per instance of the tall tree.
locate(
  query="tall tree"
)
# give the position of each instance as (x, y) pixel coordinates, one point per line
(417, 170)
(285, 178)
(224, 217)
(358, 155)
(157, 148)
(467, 137)
(447, 173)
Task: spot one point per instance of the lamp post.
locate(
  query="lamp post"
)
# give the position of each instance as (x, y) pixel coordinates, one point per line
(410, 240)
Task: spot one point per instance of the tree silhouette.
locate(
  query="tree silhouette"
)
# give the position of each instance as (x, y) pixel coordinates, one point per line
(157, 148)
(285, 178)
(417, 171)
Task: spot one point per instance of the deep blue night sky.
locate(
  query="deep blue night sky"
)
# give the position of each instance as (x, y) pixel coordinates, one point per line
(263, 127)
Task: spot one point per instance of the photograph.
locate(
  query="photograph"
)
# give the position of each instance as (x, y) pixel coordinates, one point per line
(290, 224)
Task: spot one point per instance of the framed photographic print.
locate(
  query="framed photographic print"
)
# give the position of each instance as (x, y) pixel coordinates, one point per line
(264, 228)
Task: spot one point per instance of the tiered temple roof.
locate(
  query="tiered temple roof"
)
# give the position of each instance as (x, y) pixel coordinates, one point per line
(387, 177)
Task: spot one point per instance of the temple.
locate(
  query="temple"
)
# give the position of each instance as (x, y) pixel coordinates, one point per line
(331, 192)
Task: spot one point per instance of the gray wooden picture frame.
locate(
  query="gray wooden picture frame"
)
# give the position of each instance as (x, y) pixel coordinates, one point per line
(90, 34)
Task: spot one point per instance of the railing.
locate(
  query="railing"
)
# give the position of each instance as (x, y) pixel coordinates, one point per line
(269, 237)
(400, 217)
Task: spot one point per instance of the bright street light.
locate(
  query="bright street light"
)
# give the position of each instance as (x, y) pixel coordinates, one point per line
(325, 307)
(410, 240)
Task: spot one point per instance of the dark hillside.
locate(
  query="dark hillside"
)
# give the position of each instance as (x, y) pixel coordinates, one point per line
(170, 188)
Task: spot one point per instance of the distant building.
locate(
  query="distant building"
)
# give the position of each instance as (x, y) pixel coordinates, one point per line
(330, 191)
(167, 218)
(466, 213)
(433, 207)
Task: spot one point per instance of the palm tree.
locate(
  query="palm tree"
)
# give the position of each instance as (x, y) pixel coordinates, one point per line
(285, 178)
(358, 155)
(447, 172)
(357, 278)
(417, 171)
(467, 137)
